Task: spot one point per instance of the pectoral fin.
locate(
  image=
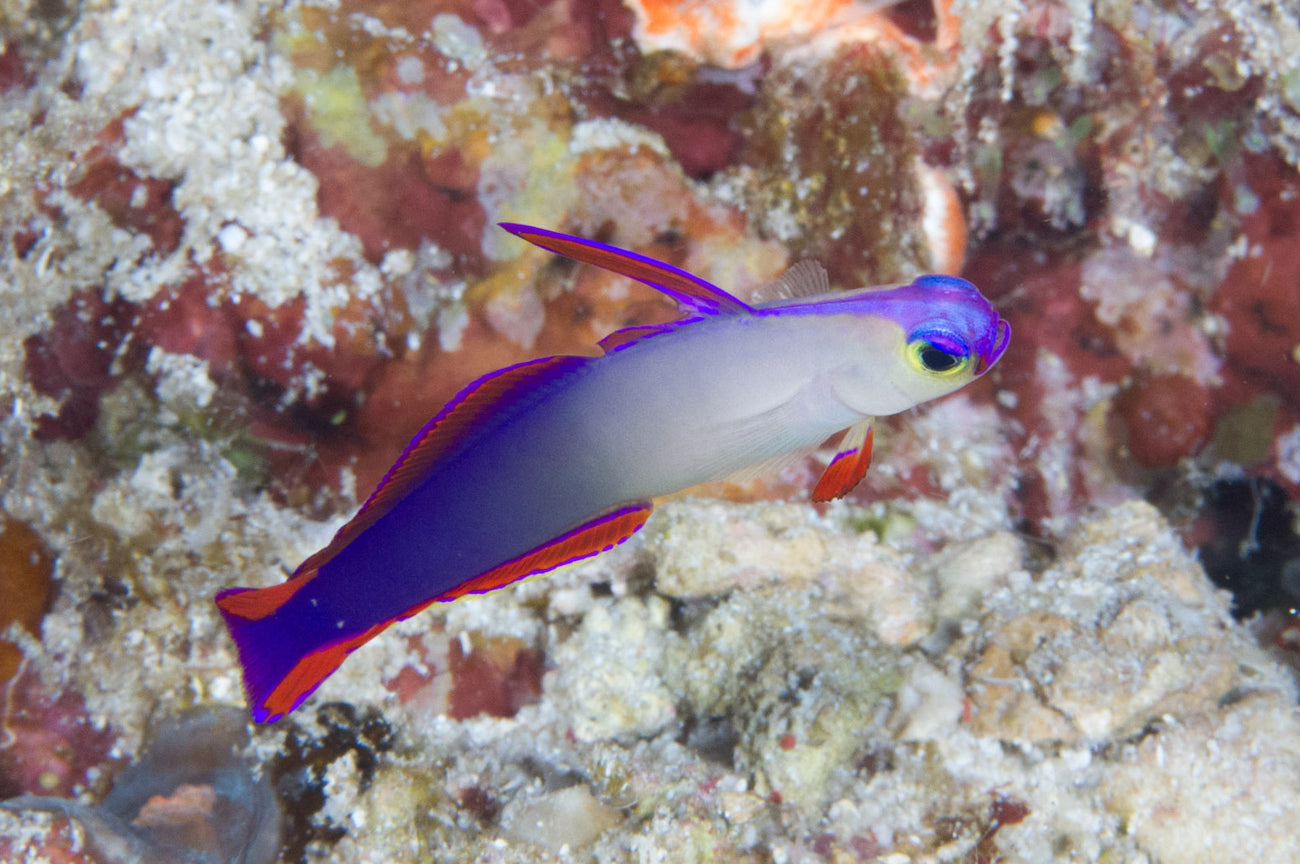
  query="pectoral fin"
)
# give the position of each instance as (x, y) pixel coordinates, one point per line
(849, 465)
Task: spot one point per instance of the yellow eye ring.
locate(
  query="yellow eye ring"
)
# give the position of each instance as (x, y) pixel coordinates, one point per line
(937, 359)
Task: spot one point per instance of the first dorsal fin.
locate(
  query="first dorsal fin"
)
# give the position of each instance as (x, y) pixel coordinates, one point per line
(688, 290)
(449, 428)
(804, 279)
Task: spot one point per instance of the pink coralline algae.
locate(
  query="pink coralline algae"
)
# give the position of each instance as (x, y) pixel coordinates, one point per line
(1166, 418)
(1258, 297)
(76, 360)
(48, 744)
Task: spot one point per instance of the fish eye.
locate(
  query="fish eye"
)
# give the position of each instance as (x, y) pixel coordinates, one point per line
(938, 354)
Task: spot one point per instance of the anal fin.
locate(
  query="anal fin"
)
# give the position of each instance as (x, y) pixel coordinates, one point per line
(599, 535)
(849, 465)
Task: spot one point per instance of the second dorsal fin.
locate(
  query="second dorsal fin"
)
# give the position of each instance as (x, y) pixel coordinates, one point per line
(620, 339)
(687, 289)
(449, 428)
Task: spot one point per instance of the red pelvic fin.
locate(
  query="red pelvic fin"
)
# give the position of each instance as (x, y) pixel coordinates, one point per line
(442, 435)
(253, 604)
(687, 289)
(599, 535)
(849, 465)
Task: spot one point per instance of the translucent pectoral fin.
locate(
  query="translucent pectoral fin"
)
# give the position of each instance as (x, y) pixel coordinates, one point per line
(803, 279)
(849, 465)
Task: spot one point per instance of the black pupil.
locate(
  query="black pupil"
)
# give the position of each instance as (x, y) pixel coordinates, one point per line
(936, 359)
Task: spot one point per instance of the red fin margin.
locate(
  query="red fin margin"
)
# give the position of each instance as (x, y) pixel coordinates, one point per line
(308, 674)
(620, 339)
(687, 289)
(849, 465)
(253, 604)
(460, 417)
(599, 535)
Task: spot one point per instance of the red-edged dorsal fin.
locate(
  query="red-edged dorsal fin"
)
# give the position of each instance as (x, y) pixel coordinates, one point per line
(687, 289)
(599, 535)
(629, 335)
(463, 415)
(849, 465)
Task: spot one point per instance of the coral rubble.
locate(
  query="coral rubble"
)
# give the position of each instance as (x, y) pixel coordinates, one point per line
(248, 248)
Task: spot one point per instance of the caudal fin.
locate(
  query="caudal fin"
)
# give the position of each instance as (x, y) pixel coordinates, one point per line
(285, 658)
(278, 672)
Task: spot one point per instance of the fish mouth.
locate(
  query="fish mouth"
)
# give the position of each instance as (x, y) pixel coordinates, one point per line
(1001, 337)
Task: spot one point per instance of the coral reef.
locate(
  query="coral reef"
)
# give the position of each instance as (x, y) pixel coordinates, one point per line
(190, 798)
(248, 248)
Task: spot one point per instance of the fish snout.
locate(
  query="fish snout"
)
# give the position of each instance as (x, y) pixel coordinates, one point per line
(986, 358)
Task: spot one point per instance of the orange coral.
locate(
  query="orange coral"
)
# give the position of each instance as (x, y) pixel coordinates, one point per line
(25, 587)
(734, 34)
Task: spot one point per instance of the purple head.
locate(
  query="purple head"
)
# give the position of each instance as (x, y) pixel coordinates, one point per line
(947, 321)
(967, 322)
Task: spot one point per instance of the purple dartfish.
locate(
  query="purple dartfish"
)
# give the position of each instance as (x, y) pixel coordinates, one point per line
(553, 460)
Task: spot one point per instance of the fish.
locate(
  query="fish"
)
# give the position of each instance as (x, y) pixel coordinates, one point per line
(560, 458)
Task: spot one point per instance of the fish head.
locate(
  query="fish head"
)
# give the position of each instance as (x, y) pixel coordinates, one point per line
(921, 341)
(952, 329)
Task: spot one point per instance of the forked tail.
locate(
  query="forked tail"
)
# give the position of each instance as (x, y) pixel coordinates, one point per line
(279, 671)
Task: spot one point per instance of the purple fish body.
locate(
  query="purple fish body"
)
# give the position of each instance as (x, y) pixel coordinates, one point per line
(557, 459)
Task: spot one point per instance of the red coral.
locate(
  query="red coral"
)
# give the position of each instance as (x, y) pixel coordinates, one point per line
(1039, 296)
(47, 743)
(402, 202)
(498, 676)
(74, 360)
(184, 319)
(1167, 417)
(14, 71)
(698, 128)
(1212, 84)
(59, 842)
(142, 204)
(1258, 297)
